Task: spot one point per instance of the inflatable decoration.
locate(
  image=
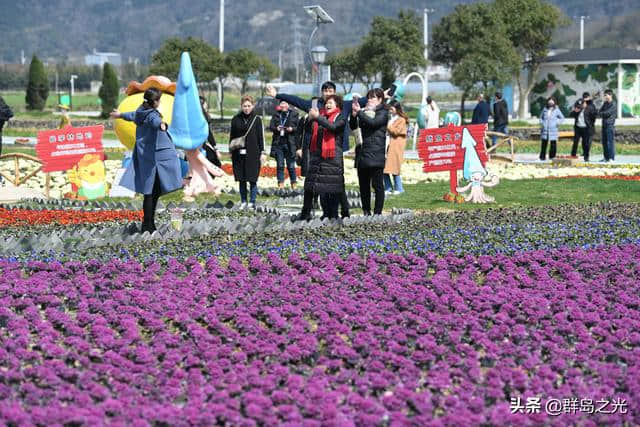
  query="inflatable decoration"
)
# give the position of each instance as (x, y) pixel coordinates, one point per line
(452, 118)
(398, 94)
(126, 131)
(422, 116)
(188, 128)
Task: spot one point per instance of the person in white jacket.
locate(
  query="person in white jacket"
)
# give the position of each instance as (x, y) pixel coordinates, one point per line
(433, 114)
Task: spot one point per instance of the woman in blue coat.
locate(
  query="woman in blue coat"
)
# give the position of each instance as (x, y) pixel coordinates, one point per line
(155, 168)
(550, 119)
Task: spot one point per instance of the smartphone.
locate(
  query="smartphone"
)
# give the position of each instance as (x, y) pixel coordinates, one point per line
(355, 99)
(392, 90)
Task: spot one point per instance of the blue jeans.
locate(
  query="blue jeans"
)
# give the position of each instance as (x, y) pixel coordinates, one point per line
(243, 191)
(501, 129)
(608, 146)
(283, 154)
(397, 183)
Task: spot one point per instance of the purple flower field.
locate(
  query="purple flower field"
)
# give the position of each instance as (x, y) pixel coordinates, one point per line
(384, 340)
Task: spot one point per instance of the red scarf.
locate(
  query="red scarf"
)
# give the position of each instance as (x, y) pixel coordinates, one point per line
(328, 137)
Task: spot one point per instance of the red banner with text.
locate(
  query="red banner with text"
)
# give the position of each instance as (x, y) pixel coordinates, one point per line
(61, 149)
(441, 148)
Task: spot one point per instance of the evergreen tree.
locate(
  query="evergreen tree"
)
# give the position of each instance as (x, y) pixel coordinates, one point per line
(37, 86)
(109, 90)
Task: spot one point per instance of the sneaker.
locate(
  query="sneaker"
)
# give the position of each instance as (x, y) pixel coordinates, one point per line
(251, 206)
(388, 192)
(603, 160)
(243, 205)
(611, 161)
(395, 193)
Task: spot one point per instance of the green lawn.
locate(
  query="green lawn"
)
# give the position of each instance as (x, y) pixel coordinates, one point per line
(530, 192)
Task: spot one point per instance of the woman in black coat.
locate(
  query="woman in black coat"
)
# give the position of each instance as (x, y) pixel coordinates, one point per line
(325, 174)
(247, 161)
(370, 156)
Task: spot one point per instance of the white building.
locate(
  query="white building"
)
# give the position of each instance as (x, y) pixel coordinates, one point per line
(99, 58)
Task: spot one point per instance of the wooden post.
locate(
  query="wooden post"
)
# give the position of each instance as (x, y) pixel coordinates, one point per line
(16, 180)
(47, 181)
(453, 181)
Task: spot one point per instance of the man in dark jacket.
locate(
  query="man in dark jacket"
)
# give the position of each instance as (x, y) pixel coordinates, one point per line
(284, 124)
(480, 112)
(370, 156)
(500, 116)
(584, 126)
(5, 115)
(608, 112)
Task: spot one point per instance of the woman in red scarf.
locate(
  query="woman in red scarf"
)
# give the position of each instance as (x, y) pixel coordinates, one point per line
(326, 170)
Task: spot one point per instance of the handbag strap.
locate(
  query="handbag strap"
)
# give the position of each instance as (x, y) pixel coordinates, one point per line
(251, 125)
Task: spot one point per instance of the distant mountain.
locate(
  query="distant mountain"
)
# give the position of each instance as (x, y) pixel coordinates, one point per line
(60, 29)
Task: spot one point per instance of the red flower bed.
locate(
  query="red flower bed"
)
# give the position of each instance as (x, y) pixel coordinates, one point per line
(266, 171)
(26, 217)
(614, 177)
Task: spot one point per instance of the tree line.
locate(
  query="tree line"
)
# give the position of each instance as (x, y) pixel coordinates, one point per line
(210, 66)
(486, 45)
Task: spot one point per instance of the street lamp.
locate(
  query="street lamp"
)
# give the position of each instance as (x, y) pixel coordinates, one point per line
(321, 17)
(319, 54)
(323, 73)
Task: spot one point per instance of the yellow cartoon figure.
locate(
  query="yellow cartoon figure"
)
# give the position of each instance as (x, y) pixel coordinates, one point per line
(88, 176)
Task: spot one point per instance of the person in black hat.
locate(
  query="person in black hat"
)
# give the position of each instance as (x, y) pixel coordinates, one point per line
(584, 126)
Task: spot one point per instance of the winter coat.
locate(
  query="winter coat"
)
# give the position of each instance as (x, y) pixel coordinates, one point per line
(303, 140)
(5, 111)
(305, 105)
(590, 114)
(397, 130)
(246, 167)
(210, 147)
(326, 176)
(154, 154)
(371, 154)
(433, 115)
(608, 112)
(480, 113)
(500, 113)
(289, 119)
(550, 119)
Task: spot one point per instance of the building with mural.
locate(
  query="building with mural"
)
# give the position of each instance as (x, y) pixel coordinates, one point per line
(567, 75)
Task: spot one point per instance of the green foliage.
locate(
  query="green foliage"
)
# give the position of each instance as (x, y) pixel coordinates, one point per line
(473, 42)
(243, 64)
(267, 70)
(12, 79)
(207, 61)
(394, 45)
(108, 92)
(346, 67)
(37, 86)
(530, 25)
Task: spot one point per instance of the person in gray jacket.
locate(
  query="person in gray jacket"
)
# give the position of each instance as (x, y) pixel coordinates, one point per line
(550, 118)
(608, 112)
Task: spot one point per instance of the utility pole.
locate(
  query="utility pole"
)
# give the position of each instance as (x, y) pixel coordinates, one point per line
(298, 55)
(426, 46)
(221, 49)
(582, 18)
